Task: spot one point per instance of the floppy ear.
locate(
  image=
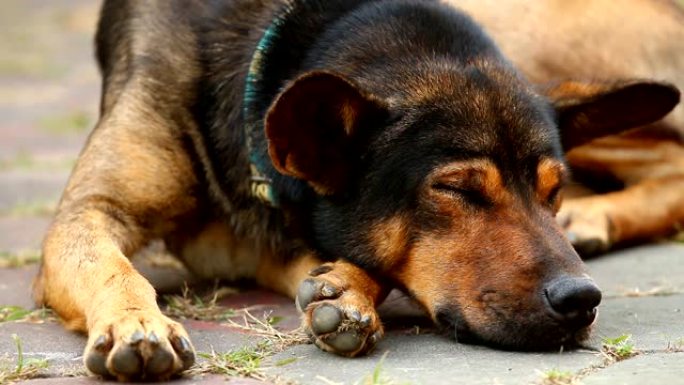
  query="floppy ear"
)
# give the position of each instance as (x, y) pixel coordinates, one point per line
(590, 110)
(315, 127)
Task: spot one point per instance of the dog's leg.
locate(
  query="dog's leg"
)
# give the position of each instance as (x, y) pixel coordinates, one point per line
(338, 301)
(647, 210)
(132, 181)
(650, 206)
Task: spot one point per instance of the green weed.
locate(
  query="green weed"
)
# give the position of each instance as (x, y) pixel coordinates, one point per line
(25, 368)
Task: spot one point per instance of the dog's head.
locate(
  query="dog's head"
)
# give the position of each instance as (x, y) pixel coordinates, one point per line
(449, 189)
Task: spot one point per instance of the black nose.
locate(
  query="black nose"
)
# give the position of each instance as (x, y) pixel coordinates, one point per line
(574, 300)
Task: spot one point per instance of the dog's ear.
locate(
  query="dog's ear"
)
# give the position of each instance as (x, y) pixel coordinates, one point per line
(590, 110)
(315, 128)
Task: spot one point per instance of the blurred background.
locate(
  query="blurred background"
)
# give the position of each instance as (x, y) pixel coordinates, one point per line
(49, 95)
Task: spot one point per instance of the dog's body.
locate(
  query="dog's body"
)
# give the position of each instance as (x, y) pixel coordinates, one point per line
(263, 138)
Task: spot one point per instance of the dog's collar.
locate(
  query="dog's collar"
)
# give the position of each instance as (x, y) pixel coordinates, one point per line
(260, 184)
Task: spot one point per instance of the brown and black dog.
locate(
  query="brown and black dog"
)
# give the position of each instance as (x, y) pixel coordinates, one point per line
(352, 146)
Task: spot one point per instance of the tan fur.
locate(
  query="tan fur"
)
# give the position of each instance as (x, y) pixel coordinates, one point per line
(389, 241)
(581, 39)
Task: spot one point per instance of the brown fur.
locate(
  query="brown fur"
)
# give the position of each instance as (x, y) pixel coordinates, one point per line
(579, 39)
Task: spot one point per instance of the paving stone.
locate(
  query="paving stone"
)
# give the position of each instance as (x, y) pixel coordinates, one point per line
(47, 340)
(429, 360)
(643, 268)
(34, 190)
(22, 234)
(651, 369)
(15, 286)
(64, 349)
(653, 322)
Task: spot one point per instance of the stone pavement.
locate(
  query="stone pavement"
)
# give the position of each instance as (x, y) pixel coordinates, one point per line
(48, 101)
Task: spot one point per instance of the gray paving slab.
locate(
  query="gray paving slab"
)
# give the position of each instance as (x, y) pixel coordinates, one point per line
(35, 190)
(646, 369)
(653, 322)
(63, 349)
(47, 341)
(658, 268)
(22, 234)
(15, 286)
(429, 360)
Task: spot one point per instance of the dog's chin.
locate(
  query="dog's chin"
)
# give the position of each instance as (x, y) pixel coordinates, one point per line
(509, 336)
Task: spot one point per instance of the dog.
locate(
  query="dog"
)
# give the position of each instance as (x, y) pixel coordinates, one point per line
(331, 150)
(635, 180)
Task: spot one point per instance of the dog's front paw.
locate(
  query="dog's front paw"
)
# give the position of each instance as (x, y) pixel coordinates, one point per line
(138, 346)
(339, 318)
(587, 225)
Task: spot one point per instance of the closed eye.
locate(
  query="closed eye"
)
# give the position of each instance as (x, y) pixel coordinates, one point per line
(471, 196)
(554, 197)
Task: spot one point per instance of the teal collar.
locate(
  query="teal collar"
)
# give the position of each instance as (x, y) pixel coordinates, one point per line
(261, 184)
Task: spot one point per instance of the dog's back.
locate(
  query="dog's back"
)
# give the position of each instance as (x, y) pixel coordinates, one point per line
(565, 39)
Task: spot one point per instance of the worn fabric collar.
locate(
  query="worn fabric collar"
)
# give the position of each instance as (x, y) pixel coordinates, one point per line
(261, 184)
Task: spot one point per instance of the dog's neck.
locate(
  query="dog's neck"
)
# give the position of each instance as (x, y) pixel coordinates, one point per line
(261, 185)
(278, 57)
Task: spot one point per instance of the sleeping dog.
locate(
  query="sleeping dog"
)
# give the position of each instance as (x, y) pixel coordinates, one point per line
(331, 150)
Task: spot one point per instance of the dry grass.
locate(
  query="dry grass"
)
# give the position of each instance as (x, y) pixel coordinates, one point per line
(248, 361)
(192, 306)
(676, 346)
(659, 291)
(265, 328)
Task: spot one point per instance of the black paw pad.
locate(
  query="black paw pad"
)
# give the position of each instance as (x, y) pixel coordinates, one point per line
(127, 361)
(97, 357)
(310, 290)
(160, 362)
(326, 319)
(345, 342)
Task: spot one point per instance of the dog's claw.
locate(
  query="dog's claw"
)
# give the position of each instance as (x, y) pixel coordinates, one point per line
(184, 350)
(311, 290)
(154, 340)
(100, 343)
(328, 291)
(137, 337)
(375, 337)
(365, 321)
